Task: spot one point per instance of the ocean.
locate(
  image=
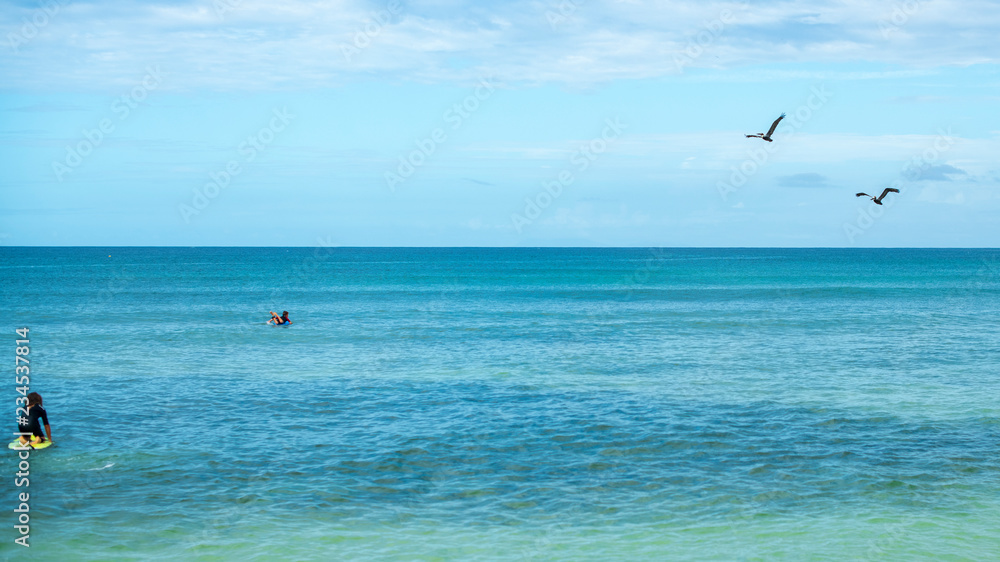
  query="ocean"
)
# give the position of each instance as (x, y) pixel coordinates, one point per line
(509, 404)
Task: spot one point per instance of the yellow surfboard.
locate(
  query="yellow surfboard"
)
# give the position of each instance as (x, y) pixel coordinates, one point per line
(16, 444)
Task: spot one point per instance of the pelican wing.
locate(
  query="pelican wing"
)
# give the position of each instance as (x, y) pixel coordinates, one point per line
(774, 125)
(888, 190)
(862, 195)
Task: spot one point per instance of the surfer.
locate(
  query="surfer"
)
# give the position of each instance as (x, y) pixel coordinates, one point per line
(279, 320)
(32, 424)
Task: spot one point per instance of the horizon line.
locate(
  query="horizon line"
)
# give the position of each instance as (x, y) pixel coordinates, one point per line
(543, 247)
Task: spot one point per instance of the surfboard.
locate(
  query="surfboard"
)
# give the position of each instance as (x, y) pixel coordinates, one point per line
(16, 444)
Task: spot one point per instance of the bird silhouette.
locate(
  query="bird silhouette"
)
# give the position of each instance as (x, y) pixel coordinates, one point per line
(770, 131)
(878, 200)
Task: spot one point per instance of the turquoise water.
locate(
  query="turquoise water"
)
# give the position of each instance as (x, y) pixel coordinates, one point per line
(538, 404)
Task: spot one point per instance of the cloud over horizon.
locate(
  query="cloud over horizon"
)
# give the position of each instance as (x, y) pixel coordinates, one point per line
(803, 180)
(940, 172)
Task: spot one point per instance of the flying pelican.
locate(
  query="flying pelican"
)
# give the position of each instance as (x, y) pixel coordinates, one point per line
(770, 131)
(878, 200)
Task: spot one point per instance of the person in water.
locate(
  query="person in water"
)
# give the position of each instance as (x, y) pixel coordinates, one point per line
(279, 320)
(33, 422)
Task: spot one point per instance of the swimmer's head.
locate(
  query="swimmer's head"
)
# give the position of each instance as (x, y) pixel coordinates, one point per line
(284, 314)
(34, 398)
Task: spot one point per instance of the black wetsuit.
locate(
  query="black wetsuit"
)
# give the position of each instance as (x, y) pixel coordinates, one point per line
(36, 418)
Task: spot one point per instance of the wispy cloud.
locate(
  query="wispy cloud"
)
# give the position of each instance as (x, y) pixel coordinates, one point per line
(478, 182)
(919, 99)
(298, 44)
(803, 180)
(940, 172)
(47, 108)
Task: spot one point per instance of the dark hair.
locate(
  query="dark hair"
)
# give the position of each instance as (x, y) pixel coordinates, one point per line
(284, 313)
(34, 398)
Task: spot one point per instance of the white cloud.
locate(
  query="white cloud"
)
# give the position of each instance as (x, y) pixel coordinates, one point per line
(261, 45)
(942, 194)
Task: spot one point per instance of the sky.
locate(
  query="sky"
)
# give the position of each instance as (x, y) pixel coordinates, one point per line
(521, 123)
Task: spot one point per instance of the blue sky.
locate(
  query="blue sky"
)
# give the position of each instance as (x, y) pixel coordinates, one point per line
(445, 123)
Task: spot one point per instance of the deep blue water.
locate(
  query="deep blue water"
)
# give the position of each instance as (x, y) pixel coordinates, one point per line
(510, 403)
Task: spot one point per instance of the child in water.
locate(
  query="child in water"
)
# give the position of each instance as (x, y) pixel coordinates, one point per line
(33, 422)
(278, 320)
